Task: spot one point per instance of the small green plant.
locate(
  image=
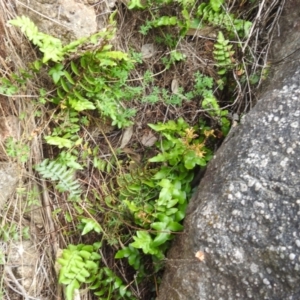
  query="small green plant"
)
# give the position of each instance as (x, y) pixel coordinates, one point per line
(175, 56)
(31, 197)
(50, 46)
(80, 264)
(63, 175)
(17, 150)
(181, 150)
(214, 14)
(93, 79)
(223, 54)
(8, 87)
(211, 13)
(87, 224)
(10, 232)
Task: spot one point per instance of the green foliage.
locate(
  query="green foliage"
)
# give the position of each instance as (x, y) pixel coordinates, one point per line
(135, 4)
(17, 150)
(91, 81)
(94, 79)
(216, 4)
(98, 81)
(175, 56)
(69, 159)
(80, 264)
(203, 87)
(10, 232)
(31, 197)
(211, 105)
(223, 54)
(50, 46)
(7, 87)
(165, 194)
(213, 14)
(88, 224)
(64, 176)
(134, 258)
(159, 22)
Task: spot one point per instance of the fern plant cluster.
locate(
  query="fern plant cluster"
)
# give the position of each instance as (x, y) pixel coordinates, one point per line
(212, 13)
(93, 79)
(155, 198)
(80, 264)
(158, 203)
(197, 16)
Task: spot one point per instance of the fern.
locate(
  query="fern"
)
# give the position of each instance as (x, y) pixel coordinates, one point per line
(66, 177)
(223, 54)
(97, 82)
(216, 4)
(136, 191)
(49, 45)
(95, 78)
(80, 264)
(212, 13)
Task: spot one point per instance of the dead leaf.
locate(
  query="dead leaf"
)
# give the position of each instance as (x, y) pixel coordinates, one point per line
(126, 136)
(239, 72)
(57, 266)
(200, 255)
(148, 139)
(135, 157)
(174, 86)
(206, 31)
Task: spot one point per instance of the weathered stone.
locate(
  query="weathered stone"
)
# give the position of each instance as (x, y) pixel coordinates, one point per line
(65, 19)
(241, 237)
(9, 177)
(9, 127)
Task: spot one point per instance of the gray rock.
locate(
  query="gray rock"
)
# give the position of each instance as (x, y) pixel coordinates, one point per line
(9, 177)
(65, 19)
(241, 237)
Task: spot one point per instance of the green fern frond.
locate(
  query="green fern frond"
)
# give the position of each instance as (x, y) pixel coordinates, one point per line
(212, 14)
(79, 264)
(66, 177)
(223, 54)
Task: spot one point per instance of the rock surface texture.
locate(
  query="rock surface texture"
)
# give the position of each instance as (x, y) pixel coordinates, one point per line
(65, 19)
(9, 177)
(242, 238)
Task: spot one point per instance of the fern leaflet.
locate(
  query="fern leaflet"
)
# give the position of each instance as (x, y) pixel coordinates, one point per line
(61, 173)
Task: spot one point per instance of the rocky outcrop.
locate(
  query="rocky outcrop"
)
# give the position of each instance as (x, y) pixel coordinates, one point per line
(241, 237)
(65, 19)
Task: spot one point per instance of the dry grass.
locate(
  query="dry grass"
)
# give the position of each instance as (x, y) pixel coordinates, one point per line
(24, 260)
(49, 233)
